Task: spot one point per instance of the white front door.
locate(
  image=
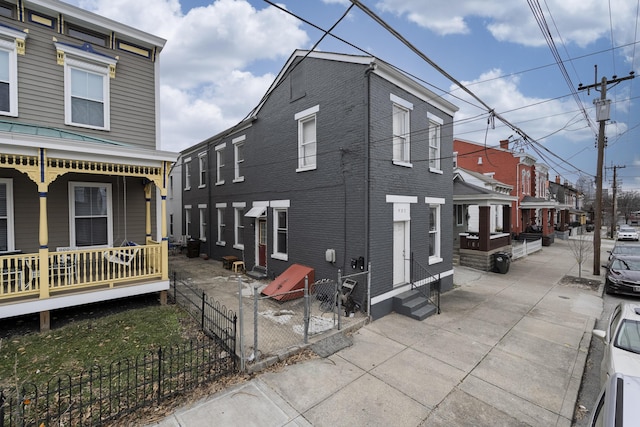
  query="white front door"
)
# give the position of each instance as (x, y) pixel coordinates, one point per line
(400, 252)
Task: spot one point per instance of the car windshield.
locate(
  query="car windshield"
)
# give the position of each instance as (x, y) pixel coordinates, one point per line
(628, 230)
(626, 264)
(628, 337)
(627, 250)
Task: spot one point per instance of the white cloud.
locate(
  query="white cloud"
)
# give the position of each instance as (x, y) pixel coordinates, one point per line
(581, 21)
(206, 85)
(538, 117)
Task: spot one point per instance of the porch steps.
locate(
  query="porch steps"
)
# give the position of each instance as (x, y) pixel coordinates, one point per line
(257, 272)
(413, 304)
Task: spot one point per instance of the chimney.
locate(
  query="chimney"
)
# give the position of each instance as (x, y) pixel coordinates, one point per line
(557, 179)
(504, 144)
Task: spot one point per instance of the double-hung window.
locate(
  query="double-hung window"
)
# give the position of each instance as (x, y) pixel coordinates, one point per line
(202, 209)
(202, 163)
(86, 86)
(9, 69)
(220, 223)
(6, 215)
(219, 163)
(435, 229)
(238, 158)
(90, 214)
(401, 131)
(435, 138)
(238, 214)
(187, 220)
(307, 139)
(280, 229)
(187, 173)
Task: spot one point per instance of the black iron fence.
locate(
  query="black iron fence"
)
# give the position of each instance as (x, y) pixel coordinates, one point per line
(215, 320)
(103, 394)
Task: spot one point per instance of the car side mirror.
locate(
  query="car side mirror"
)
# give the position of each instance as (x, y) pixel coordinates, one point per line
(600, 334)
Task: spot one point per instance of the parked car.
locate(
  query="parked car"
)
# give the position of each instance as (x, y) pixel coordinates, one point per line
(617, 402)
(627, 233)
(622, 342)
(623, 275)
(626, 248)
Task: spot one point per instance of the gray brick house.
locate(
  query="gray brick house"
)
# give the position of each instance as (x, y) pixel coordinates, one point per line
(344, 155)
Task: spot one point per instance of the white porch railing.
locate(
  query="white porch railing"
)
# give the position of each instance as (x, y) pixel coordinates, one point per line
(524, 248)
(21, 275)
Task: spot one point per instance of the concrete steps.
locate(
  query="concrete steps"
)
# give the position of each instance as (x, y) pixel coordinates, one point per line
(413, 304)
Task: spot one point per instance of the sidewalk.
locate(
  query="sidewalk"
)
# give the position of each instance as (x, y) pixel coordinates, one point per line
(508, 349)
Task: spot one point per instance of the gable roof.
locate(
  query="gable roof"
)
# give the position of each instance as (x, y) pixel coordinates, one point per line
(466, 193)
(377, 66)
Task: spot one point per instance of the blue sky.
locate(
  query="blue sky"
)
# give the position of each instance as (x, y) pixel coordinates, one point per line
(222, 55)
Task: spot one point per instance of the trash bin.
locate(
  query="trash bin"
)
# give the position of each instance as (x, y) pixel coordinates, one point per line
(502, 261)
(193, 248)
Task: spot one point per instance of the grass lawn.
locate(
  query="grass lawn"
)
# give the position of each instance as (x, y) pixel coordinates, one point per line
(92, 338)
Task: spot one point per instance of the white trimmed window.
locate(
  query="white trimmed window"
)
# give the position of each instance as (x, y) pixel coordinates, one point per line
(280, 230)
(220, 223)
(7, 237)
(202, 209)
(187, 221)
(238, 158)
(202, 163)
(435, 229)
(435, 138)
(187, 173)
(90, 214)
(86, 86)
(307, 142)
(9, 70)
(220, 163)
(460, 216)
(238, 216)
(401, 131)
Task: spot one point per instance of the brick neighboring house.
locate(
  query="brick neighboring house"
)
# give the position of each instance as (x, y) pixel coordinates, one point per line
(482, 211)
(533, 213)
(81, 172)
(569, 213)
(345, 163)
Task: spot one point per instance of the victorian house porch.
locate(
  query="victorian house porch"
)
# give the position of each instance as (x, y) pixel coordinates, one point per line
(78, 216)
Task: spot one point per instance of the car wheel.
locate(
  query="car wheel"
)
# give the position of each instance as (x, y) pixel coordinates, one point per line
(607, 289)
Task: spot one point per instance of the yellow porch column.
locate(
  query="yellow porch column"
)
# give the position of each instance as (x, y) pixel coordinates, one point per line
(147, 198)
(43, 252)
(165, 239)
(164, 242)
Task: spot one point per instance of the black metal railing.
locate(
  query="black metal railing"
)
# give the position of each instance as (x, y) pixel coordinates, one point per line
(215, 320)
(103, 394)
(429, 285)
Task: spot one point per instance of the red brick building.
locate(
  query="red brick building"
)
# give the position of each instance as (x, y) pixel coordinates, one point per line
(533, 211)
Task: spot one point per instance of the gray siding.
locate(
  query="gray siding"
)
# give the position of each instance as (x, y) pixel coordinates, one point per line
(41, 89)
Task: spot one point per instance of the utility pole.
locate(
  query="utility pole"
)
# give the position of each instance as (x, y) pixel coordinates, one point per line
(602, 115)
(614, 209)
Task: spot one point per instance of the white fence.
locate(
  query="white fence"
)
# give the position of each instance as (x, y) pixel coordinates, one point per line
(524, 248)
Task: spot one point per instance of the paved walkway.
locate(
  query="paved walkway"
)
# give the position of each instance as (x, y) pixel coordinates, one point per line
(507, 350)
